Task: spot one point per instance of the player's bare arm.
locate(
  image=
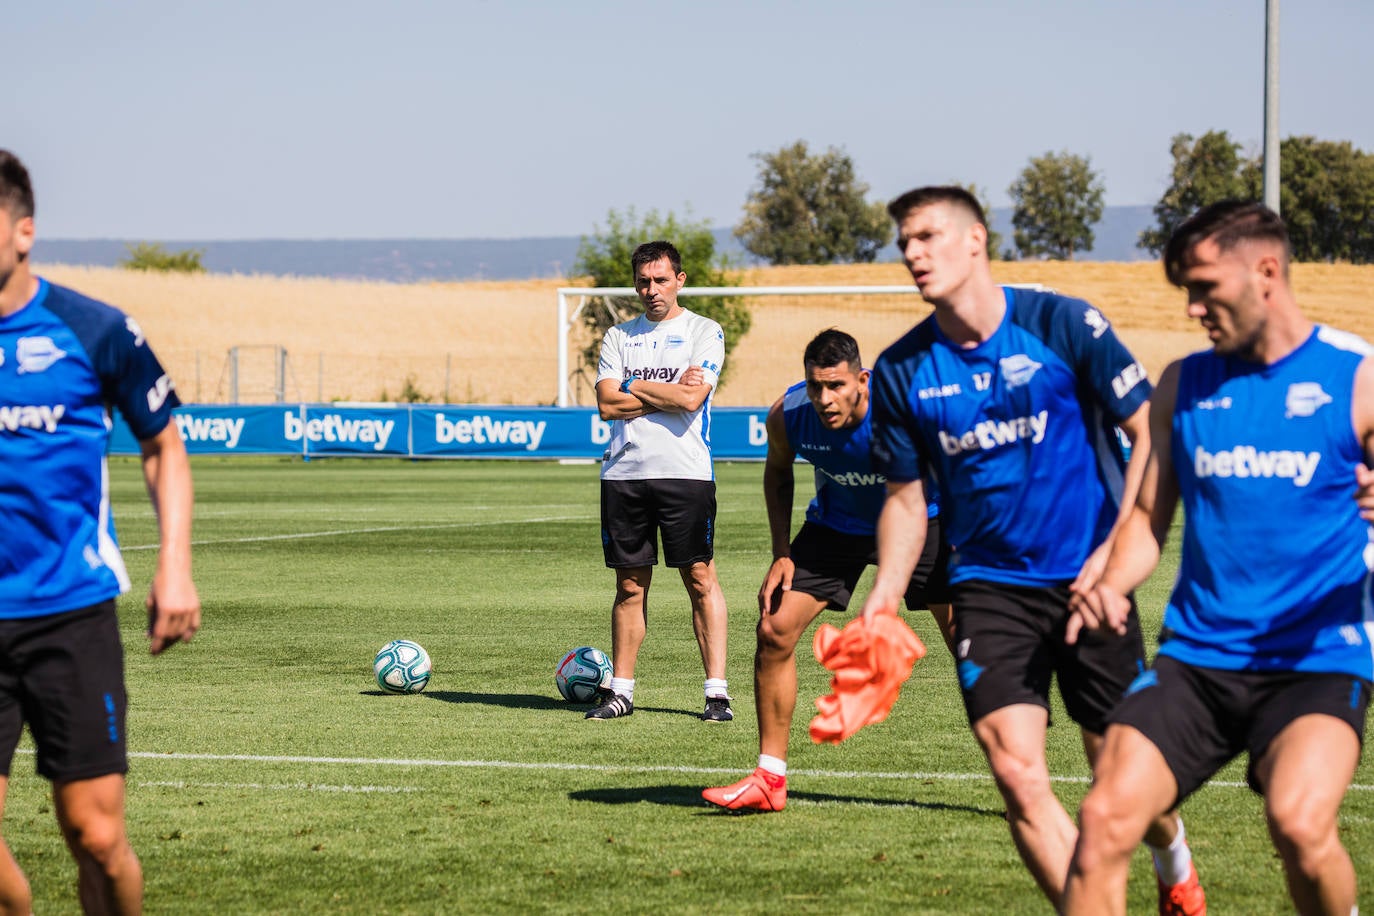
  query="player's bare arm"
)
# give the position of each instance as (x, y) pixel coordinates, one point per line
(1136, 427)
(686, 395)
(1362, 407)
(901, 538)
(1136, 548)
(614, 404)
(173, 604)
(779, 486)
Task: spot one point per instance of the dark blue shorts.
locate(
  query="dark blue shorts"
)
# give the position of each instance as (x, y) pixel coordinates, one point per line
(634, 513)
(828, 564)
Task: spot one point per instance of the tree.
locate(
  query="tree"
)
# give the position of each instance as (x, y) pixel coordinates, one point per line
(1056, 201)
(811, 210)
(1207, 169)
(1326, 193)
(153, 256)
(605, 258)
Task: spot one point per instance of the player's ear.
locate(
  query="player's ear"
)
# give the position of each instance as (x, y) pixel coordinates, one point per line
(864, 376)
(23, 236)
(978, 235)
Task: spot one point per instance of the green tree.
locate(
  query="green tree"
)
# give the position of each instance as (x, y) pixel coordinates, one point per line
(1326, 193)
(1206, 169)
(810, 209)
(605, 258)
(1056, 201)
(153, 256)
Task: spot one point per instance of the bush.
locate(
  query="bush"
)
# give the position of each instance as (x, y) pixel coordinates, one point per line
(153, 256)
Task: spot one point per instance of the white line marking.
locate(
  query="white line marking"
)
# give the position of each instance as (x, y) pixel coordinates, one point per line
(608, 767)
(298, 786)
(329, 534)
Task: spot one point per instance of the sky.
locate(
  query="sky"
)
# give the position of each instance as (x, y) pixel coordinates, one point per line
(299, 119)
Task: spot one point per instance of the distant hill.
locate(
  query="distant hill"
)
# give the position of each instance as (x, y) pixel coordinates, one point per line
(412, 260)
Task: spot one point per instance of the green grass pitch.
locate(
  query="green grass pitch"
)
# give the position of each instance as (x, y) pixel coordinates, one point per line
(269, 775)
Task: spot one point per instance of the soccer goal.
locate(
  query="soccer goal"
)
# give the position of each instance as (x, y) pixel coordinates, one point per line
(875, 315)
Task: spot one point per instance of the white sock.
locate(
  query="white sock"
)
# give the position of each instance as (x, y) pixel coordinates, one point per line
(1172, 862)
(715, 688)
(774, 765)
(624, 686)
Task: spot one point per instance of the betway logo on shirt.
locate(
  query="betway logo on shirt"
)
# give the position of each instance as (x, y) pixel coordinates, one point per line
(32, 416)
(1247, 461)
(854, 478)
(651, 374)
(991, 434)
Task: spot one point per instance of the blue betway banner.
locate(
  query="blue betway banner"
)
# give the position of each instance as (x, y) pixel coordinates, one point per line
(424, 431)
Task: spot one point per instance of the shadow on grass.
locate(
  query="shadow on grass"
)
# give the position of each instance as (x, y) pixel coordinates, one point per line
(523, 701)
(690, 797)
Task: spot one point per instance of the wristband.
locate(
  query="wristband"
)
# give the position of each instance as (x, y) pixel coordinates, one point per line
(625, 385)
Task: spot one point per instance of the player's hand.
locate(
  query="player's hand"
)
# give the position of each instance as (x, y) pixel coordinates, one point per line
(1099, 608)
(878, 603)
(1092, 570)
(779, 578)
(694, 375)
(173, 611)
(1364, 492)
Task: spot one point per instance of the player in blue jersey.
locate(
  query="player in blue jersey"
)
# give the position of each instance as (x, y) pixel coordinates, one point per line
(1010, 399)
(64, 361)
(824, 419)
(1266, 642)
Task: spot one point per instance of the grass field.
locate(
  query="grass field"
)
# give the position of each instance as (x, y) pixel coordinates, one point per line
(269, 775)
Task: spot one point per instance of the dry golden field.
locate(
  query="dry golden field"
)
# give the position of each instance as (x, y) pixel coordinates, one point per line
(493, 342)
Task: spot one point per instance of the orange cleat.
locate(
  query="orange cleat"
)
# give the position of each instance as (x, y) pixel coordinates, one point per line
(1183, 899)
(759, 791)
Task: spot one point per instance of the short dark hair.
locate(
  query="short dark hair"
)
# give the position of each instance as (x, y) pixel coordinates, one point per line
(830, 348)
(1228, 223)
(16, 191)
(650, 252)
(936, 194)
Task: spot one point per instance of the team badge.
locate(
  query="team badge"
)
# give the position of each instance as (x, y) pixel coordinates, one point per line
(1304, 399)
(37, 353)
(1018, 370)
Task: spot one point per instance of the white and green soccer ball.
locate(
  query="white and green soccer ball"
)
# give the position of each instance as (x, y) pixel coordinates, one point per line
(581, 673)
(402, 666)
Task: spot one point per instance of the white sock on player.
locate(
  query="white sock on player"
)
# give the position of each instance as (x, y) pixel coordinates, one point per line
(715, 688)
(1172, 862)
(624, 686)
(774, 765)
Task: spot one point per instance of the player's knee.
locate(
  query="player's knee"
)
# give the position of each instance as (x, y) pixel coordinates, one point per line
(774, 643)
(1108, 828)
(1024, 782)
(102, 840)
(1301, 834)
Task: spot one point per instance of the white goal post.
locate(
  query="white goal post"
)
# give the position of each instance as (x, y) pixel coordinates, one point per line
(568, 312)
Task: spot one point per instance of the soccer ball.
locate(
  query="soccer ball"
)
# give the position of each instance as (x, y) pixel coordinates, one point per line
(581, 673)
(401, 666)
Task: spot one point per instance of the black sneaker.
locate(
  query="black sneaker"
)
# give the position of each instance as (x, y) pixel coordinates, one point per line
(718, 710)
(612, 706)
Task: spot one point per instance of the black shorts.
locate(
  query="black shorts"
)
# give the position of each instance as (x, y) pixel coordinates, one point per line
(829, 563)
(1201, 718)
(635, 512)
(1009, 642)
(64, 675)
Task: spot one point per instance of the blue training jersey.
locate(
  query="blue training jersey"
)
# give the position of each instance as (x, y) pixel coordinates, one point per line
(64, 360)
(1275, 565)
(1018, 433)
(849, 492)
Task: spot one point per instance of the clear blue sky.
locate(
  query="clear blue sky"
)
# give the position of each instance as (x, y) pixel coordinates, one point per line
(179, 119)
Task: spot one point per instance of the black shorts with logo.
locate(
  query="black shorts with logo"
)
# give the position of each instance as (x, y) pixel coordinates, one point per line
(1009, 644)
(1202, 718)
(828, 564)
(64, 675)
(635, 512)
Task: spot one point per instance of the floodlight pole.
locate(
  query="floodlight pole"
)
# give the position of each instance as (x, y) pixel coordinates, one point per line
(1271, 105)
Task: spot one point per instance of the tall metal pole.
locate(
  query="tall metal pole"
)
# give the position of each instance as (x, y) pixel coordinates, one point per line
(1271, 105)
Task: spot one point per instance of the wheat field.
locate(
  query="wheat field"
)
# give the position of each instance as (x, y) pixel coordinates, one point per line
(494, 342)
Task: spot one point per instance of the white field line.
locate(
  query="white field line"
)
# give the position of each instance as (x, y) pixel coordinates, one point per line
(287, 786)
(606, 768)
(342, 531)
